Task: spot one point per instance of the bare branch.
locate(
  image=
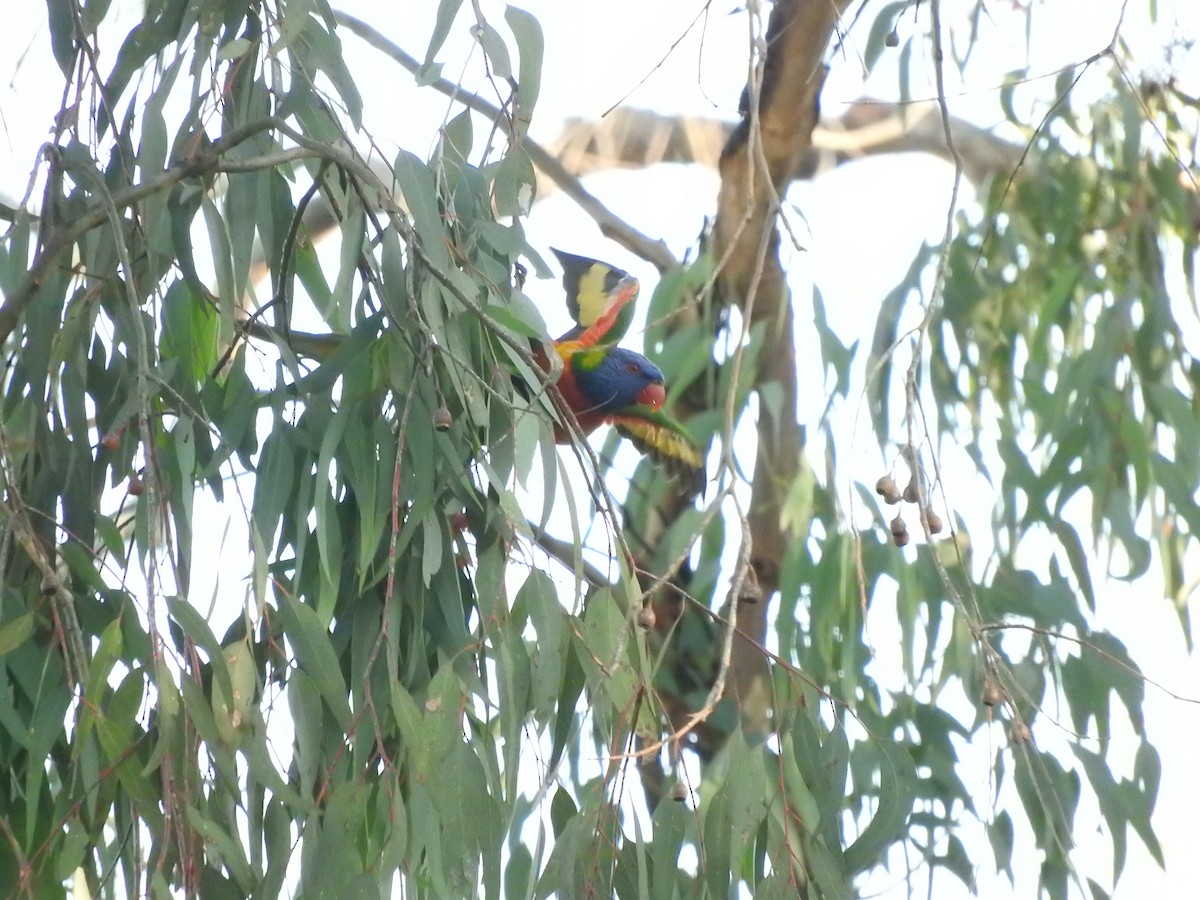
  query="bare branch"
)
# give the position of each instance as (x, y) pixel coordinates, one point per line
(637, 138)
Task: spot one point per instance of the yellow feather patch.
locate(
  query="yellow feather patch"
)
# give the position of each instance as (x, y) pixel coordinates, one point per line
(599, 297)
(666, 445)
(592, 298)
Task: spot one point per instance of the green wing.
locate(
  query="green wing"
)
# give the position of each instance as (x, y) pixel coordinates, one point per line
(663, 439)
(599, 297)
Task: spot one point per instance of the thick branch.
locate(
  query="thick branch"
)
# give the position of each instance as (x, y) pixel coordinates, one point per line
(637, 138)
(764, 154)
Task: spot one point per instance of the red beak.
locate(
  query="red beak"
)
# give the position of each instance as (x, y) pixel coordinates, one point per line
(652, 395)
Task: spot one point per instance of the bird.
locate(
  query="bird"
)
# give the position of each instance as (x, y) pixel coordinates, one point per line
(600, 382)
(604, 384)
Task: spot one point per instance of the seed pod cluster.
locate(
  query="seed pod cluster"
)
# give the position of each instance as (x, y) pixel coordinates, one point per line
(914, 493)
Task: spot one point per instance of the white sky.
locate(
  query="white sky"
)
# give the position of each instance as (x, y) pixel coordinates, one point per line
(862, 224)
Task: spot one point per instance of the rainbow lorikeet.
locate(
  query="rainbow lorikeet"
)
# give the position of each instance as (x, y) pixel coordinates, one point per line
(606, 384)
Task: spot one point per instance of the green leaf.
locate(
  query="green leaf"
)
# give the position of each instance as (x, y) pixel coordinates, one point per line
(458, 139)
(514, 672)
(566, 723)
(432, 552)
(1000, 834)
(1140, 795)
(828, 875)
(515, 184)
(1049, 796)
(897, 791)
(324, 49)
(234, 49)
(219, 242)
(746, 781)
(222, 846)
(146, 40)
(614, 690)
(885, 23)
(232, 713)
(107, 654)
(93, 14)
(516, 321)
(62, 34)
(190, 330)
(800, 803)
(671, 821)
(519, 880)
(196, 628)
(1111, 801)
(446, 13)
(494, 49)
(316, 656)
(199, 711)
(956, 860)
(562, 811)
(15, 633)
(834, 353)
(241, 212)
(417, 185)
(277, 471)
(530, 47)
(82, 565)
(1076, 556)
(337, 313)
(716, 827)
(335, 845)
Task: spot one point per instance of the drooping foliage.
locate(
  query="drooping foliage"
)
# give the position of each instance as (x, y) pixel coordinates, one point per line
(428, 679)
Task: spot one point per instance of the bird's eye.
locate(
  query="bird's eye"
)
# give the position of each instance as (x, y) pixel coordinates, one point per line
(632, 367)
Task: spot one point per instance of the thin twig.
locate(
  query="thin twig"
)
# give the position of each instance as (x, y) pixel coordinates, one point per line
(612, 226)
(56, 239)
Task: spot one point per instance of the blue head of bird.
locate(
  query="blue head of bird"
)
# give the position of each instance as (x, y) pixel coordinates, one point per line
(615, 378)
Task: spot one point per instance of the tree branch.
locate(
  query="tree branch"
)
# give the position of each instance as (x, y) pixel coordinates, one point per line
(764, 154)
(637, 138)
(612, 226)
(56, 238)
